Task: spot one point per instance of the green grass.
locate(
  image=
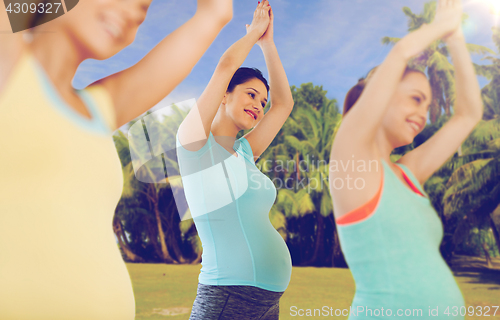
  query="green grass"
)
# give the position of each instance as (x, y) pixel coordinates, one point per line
(168, 291)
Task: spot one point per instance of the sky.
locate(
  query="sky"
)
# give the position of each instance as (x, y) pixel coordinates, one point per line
(331, 43)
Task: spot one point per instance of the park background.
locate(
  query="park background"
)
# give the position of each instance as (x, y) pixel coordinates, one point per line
(325, 47)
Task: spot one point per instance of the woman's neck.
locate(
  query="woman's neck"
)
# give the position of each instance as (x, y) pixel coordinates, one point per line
(224, 128)
(222, 125)
(58, 57)
(384, 146)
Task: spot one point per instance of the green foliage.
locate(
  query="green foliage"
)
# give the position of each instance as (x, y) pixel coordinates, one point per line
(147, 211)
(472, 243)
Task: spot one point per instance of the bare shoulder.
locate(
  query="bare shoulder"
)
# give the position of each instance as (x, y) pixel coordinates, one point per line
(355, 177)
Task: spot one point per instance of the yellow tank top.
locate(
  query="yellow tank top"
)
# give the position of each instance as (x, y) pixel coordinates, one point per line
(60, 182)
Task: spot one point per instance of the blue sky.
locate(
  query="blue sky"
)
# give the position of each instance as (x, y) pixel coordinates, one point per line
(327, 42)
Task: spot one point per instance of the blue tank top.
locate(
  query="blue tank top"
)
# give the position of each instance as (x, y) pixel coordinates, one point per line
(229, 199)
(394, 257)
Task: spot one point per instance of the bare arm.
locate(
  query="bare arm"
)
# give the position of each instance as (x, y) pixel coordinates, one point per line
(468, 111)
(281, 96)
(195, 128)
(138, 88)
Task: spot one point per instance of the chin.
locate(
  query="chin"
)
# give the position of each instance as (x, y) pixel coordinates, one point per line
(245, 127)
(104, 54)
(401, 141)
(405, 142)
(103, 48)
(99, 44)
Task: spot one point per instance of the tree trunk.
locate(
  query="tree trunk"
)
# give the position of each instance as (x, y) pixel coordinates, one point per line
(122, 240)
(338, 255)
(319, 243)
(198, 258)
(173, 241)
(153, 237)
(174, 235)
(297, 167)
(165, 254)
(495, 232)
(487, 254)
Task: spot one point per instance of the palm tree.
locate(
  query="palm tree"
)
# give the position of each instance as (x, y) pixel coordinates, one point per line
(307, 137)
(147, 201)
(490, 93)
(474, 184)
(149, 214)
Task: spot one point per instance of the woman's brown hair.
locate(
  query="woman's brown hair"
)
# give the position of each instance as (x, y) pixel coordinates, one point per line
(355, 92)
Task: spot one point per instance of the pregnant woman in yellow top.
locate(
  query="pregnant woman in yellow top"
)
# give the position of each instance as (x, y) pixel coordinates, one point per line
(60, 177)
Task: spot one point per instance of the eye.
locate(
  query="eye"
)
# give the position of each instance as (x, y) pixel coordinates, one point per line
(252, 95)
(263, 105)
(416, 98)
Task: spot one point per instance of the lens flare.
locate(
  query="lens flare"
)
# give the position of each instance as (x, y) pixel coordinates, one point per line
(492, 5)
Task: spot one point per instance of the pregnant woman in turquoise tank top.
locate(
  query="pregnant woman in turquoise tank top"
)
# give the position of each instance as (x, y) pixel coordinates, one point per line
(389, 232)
(246, 265)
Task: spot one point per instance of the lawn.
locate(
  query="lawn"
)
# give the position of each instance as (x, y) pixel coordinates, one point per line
(168, 291)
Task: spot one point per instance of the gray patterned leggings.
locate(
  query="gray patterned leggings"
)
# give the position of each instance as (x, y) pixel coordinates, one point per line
(235, 303)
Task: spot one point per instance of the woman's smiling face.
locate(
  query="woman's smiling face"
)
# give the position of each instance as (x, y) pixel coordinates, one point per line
(245, 104)
(102, 28)
(407, 113)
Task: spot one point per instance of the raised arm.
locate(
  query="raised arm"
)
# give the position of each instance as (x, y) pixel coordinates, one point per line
(361, 124)
(140, 87)
(468, 111)
(281, 96)
(195, 128)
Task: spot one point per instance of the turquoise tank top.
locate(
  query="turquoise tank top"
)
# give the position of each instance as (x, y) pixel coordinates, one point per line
(394, 258)
(229, 200)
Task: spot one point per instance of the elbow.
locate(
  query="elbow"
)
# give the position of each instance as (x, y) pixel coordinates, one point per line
(478, 115)
(227, 63)
(214, 17)
(480, 112)
(474, 112)
(400, 50)
(283, 105)
(224, 17)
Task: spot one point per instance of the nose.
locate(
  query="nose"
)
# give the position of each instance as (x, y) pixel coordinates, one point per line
(257, 109)
(422, 114)
(132, 14)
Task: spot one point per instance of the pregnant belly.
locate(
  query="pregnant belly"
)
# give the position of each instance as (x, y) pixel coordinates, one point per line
(272, 260)
(433, 291)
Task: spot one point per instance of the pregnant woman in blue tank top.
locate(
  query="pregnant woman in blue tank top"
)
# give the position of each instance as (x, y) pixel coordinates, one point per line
(389, 231)
(246, 265)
